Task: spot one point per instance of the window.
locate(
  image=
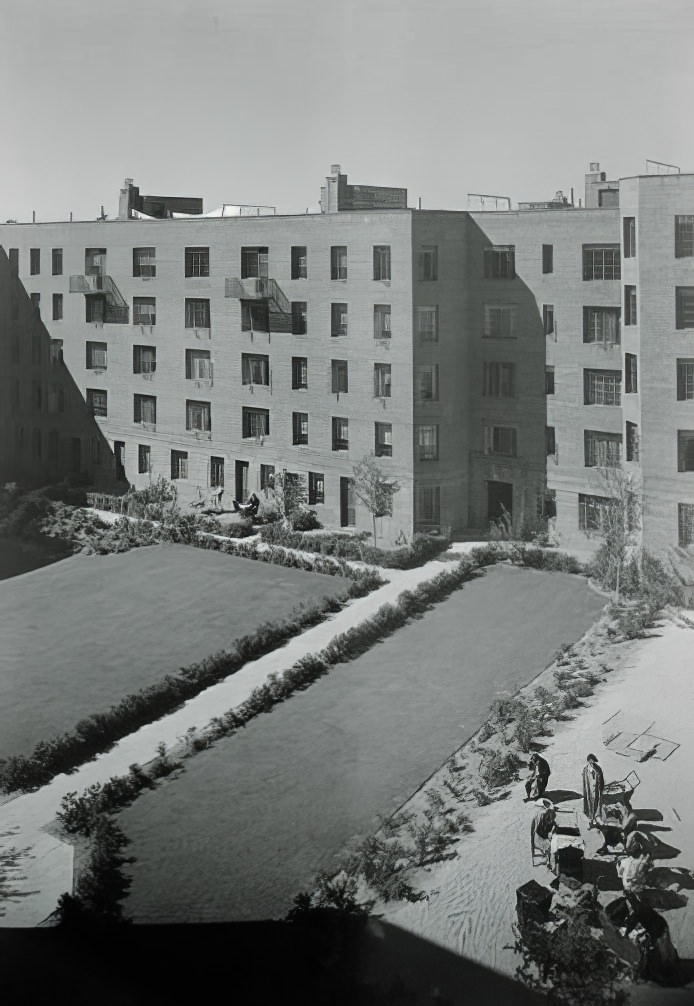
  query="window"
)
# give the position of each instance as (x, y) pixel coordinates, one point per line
(13, 256)
(684, 236)
(97, 402)
(34, 261)
(144, 311)
(299, 427)
(630, 305)
(198, 365)
(255, 369)
(340, 376)
(299, 317)
(57, 262)
(299, 372)
(629, 233)
(549, 380)
(547, 258)
(631, 374)
(632, 442)
(36, 350)
(591, 511)
(179, 465)
(383, 440)
(601, 324)
(254, 263)
(144, 458)
(57, 307)
(36, 302)
(338, 262)
(602, 387)
(499, 321)
(198, 417)
(428, 324)
(299, 262)
(684, 307)
(197, 262)
(316, 488)
(56, 351)
(602, 450)
(426, 382)
(499, 380)
(429, 263)
(36, 396)
(338, 320)
(547, 503)
(95, 310)
(144, 359)
(97, 356)
(95, 261)
(255, 422)
(685, 380)
(381, 261)
(601, 262)
(427, 443)
(340, 433)
(382, 384)
(428, 505)
(255, 316)
(500, 262)
(500, 440)
(381, 321)
(550, 441)
(267, 476)
(197, 313)
(685, 450)
(144, 409)
(685, 521)
(144, 263)
(548, 318)
(217, 473)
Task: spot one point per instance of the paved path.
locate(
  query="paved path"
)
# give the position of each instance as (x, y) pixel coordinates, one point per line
(46, 866)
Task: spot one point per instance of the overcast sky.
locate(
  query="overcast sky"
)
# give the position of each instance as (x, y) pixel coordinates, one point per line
(251, 101)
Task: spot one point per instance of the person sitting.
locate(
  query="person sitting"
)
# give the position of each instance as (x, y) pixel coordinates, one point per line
(536, 783)
(249, 508)
(633, 869)
(541, 828)
(616, 827)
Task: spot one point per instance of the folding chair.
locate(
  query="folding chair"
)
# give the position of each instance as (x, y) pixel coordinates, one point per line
(621, 790)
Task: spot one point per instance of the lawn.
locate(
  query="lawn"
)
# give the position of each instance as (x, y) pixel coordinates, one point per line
(77, 636)
(249, 821)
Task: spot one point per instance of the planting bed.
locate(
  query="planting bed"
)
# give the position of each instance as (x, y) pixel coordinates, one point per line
(248, 823)
(77, 636)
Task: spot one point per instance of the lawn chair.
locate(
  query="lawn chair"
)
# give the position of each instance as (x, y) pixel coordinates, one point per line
(620, 791)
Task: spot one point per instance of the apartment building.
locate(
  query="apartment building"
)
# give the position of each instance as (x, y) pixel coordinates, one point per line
(46, 432)
(489, 359)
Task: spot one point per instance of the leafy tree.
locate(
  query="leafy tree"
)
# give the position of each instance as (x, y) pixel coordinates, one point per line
(290, 491)
(618, 524)
(373, 488)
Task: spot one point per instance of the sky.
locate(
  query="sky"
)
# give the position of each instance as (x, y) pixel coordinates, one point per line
(251, 101)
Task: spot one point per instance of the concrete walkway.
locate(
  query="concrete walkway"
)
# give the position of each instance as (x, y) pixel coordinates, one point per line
(43, 868)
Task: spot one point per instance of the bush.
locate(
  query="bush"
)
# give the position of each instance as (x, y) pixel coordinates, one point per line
(488, 555)
(504, 710)
(498, 768)
(303, 519)
(527, 726)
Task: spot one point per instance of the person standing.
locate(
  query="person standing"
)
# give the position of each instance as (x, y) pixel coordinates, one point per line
(536, 783)
(593, 785)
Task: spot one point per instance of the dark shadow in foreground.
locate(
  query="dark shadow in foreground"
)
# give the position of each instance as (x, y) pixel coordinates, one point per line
(326, 958)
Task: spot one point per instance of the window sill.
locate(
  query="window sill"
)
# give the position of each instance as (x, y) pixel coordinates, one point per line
(151, 427)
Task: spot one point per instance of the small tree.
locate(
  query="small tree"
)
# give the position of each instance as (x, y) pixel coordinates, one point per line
(290, 492)
(618, 524)
(373, 488)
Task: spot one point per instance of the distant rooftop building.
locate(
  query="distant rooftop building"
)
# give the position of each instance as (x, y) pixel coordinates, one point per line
(337, 196)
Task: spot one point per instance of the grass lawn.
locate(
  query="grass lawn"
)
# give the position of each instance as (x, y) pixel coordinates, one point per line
(77, 636)
(249, 821)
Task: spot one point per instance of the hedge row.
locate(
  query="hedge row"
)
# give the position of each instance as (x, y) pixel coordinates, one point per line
(423, 547)
(96, 733)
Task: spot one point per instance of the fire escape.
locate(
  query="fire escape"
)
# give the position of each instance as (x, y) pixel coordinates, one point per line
(265, 306)
(104, 302)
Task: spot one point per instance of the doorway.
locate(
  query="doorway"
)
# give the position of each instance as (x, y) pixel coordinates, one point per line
(499, 499)
(241, 480)
(348, 516)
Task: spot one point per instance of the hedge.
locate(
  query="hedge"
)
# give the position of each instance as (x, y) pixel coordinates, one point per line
(423, 547)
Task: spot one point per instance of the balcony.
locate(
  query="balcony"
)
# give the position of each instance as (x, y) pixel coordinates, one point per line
(113, 308)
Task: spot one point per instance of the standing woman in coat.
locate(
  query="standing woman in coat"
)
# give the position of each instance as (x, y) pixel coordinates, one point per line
(593, 785)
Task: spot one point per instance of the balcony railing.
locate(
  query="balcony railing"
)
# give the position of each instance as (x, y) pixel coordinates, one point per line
(259, 288)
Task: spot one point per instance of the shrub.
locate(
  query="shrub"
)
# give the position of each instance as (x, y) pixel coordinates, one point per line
(102, 885)
(488, 555)
(303, 519)
(498, 768)
(504, 710)
(339, 892)
(486, 731)
(526, 728)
